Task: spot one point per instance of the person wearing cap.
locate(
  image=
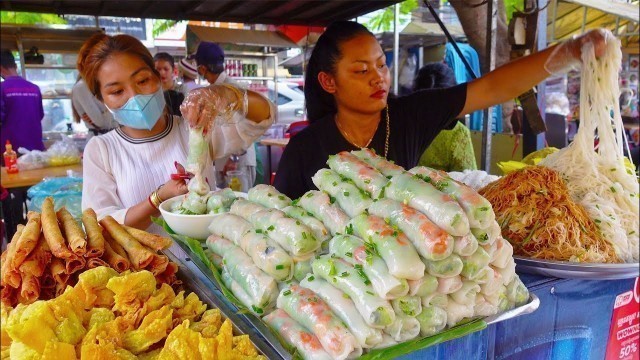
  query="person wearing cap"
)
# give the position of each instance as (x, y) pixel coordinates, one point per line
(210, 65)
(189, 73)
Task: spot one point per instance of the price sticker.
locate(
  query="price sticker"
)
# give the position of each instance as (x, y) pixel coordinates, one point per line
(624, 333)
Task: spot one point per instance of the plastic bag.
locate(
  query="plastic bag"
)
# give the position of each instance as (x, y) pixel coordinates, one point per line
(63, 152)
(34, 159)
(66, 191)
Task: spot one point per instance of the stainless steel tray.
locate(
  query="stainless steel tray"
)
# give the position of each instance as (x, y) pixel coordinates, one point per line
(263, 335)
(195, 280)
(573, 270)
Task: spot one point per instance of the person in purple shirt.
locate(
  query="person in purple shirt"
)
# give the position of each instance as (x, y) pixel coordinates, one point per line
(21, 109)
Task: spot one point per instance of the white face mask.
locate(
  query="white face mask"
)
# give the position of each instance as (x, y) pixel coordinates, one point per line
(141, 111)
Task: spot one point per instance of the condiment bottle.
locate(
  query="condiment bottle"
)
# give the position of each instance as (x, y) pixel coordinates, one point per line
(10, 159)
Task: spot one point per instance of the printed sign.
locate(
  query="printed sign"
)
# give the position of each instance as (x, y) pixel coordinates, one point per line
(625, 326)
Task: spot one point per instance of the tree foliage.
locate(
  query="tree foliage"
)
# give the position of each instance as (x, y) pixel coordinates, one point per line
(160, 26)
(29, 18)
(384, 20)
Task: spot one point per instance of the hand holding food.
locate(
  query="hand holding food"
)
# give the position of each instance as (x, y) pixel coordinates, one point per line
(203, 106)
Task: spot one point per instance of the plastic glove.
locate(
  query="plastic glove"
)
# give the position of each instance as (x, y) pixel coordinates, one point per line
(567, 56)
(214, 104)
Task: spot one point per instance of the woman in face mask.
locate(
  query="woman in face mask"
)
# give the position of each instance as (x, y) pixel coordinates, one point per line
(127, 171)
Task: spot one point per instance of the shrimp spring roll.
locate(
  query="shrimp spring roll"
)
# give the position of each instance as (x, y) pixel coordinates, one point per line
(439, 207)
(507, 273)
(267, 255)
(457, 312)
(245, 208)
(358, 171)
(435, 299)
(152, 241)
(52, 232)
(430, 241)
(139, 255)
(230, 226)
(291, 234)
(386, 167)
(376, 312)
(117, 260)
(432, 320)
(407, 305)
(220, 201)
(345, 309)
(446, 268)
(308, 309)
(307, 344)
(10, 275)
(267, 195)
(73, 232)
(472, 265)
(465, 245)
(516, 292)
(95, 240)
(478, 209)
(351, 199)
(403, 328)
(317, 227)
(503, 255)
(424, 286)
(466, 295)
(26, 242)
(494, 282)
(301, 269)
(487, 235)
(259, 286)
(393, 247)
(482, 307)
(238, 291)
(449, 285)
(320, 206)
(352, 250)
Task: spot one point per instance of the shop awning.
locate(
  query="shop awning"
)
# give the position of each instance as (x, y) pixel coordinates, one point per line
(49, 39)
(240, 37)
(304, 12)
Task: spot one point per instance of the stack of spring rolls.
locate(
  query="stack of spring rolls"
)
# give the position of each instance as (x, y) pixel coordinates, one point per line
(378, 256)
(47, 254)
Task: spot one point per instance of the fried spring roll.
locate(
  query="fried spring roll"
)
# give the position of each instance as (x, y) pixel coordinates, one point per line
(169, 275)
(95, 240)
(96, 262)
(58, 271)
(139, 255)
(158, 265)
(10, 275)
(26, 242)
(60, 289)
(30, 288)
(74, 263)
(46, 280)
(73, 232)
(52, 232)
(8, 295)
(37, 261)
(119, 262)
(153, 241)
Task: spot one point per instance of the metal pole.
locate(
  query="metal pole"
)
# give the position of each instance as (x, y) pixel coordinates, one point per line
(396, 47)
(584, 19)
(489, 64)
(542, 90)
(23, 68)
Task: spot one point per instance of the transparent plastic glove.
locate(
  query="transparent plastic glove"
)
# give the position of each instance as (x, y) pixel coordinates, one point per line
(215, 104)
(567, 56)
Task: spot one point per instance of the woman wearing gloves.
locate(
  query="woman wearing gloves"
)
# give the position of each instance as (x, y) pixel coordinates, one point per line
(127, 171)
(346, 91)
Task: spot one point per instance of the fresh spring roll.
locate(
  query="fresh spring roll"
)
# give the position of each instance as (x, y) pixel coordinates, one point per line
(488, 235)
(457, 312)
(345, 309)
(430, 241)
(237, 290)
(220, 201)
(432, 320)
(466, 295)
(435, 299)
(267, 195)
(424, 286)
(194, 203)
(392, 246)
(517, 292)
(308, 309)
(351, 199)
(475, 263)
(296, 335)
(449, 285)
(376, 312)
(387, 341)
(477, 208)
(407, 305)
(301, 269)
(386, 167)
(317, 227)
(485, 275)
(465, 245)
(483, 308)
(493, 283)
(504, 254)
(439, 207)
(352, 250)
(230, 226)
(446, 268)
(291, 234)
(492, 250)
(321, 207)
(358, 171)
(245, 208)
(259, 286)
(507, 273)
(267, 255)
(403, 328)
(499, 299)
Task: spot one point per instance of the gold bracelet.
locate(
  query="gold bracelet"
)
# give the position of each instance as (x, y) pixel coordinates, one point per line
(155, 198)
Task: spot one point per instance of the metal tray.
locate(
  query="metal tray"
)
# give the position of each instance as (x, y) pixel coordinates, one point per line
(195, 281)
(258, 328)
(573, 270)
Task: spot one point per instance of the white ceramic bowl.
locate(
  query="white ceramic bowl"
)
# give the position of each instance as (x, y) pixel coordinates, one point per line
(195, 226)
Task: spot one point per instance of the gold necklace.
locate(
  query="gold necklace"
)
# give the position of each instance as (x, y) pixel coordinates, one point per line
(348, 137)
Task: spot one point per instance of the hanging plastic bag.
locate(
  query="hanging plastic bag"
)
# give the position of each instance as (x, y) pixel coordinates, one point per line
(63, 152)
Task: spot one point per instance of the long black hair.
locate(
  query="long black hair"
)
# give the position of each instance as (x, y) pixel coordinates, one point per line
(324, 57)
(435, 76)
